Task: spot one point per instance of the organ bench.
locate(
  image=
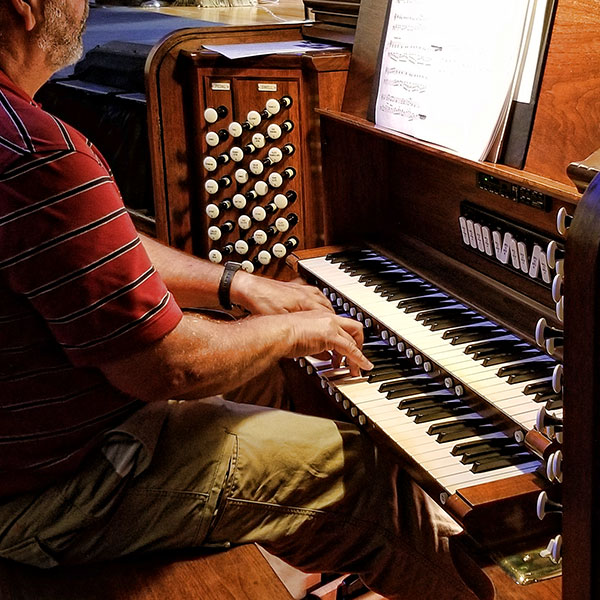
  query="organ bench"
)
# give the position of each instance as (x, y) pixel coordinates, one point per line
(162, 576)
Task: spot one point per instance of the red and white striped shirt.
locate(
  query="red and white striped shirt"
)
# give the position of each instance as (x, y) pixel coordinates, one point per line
(76, 289)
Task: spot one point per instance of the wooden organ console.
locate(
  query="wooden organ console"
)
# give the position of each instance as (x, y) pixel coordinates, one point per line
(477, 284)
(235, 144)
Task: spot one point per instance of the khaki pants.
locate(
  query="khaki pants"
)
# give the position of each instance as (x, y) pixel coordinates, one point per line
(213, 473)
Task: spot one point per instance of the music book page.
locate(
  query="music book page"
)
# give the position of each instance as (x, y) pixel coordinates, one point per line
(448, 70)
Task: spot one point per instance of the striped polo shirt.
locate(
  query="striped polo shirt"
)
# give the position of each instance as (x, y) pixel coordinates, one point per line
(76, 289)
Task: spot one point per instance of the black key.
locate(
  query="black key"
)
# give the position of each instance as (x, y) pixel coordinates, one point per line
(402, 393)
(481, 445)
(539, 387)
(485, 329)
(396, 374)
(439, 324)
(374, 280)
(464, 338)
(434, 414)
(435, 398)
(472, 457)
(495, 346)
(499, 463)
(425, 302)
(417, 378)
(458, 430)
(554, 404)
(526, 367)
(432, 399)
(547, 397)
(381, 360)
(537, 374)
(508, 357)
(442, 313)
(407, 291)
(347, 255)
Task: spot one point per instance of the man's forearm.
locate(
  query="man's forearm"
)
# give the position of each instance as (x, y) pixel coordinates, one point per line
(193, 282)
(202, 357)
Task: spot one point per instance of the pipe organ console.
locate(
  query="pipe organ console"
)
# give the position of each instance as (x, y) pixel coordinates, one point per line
(236, 145)
(476, 284)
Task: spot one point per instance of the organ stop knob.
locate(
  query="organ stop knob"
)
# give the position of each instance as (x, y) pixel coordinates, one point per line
(213, 138)
(548, 337)
(282, 200)
(212, 115)
(545, 506)
(236, 153)
(563, 221)
(212, 186)
(254, 118)
(211, 163)
(553, 550)
(216, 256)
(264, 257)
(248, 266)
(259, 141)
(216, 231)
(280, 250)
(236, 129)
(284, 223)
(214, 210)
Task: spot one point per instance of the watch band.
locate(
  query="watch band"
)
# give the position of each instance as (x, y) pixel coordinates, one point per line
(231, 268)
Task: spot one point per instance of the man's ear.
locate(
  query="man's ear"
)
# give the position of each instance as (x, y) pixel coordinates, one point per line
(28, 11)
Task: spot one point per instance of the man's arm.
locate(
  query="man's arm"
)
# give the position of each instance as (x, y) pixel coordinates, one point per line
(201, 357)
(194, 283)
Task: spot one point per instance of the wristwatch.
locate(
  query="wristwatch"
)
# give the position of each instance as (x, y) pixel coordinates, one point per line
(231, 268)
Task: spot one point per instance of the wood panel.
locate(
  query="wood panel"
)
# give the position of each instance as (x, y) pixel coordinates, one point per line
(567, 122)
(581, 487)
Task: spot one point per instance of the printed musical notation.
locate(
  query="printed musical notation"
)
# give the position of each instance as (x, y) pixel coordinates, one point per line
(446, 75)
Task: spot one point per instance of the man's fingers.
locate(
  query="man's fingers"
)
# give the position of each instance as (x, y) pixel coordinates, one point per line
(348, 347)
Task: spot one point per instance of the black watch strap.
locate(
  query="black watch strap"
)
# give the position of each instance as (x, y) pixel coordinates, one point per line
(231, 268)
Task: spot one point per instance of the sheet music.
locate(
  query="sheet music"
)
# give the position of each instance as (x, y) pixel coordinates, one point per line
(261, 48)
(448, 68)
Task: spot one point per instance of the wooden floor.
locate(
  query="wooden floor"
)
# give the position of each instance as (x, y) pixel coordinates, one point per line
(278, 11)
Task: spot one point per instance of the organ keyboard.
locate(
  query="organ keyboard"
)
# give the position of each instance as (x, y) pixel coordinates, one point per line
(435, 329)
(452, 390)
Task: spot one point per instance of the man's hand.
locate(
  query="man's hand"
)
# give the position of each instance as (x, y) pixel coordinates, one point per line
(316, 332)
(262, 296)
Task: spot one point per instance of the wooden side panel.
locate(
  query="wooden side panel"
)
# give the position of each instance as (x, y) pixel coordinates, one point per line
(581, 486)
(567, 123)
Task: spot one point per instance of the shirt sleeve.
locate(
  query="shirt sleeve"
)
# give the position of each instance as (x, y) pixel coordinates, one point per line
(68, 245)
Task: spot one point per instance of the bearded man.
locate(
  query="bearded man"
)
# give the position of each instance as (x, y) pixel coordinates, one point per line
(97, 460)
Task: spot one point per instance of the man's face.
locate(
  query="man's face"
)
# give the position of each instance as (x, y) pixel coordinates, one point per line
(61, 32)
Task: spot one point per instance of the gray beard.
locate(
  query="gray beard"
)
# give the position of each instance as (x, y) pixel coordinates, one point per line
(59, 39)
